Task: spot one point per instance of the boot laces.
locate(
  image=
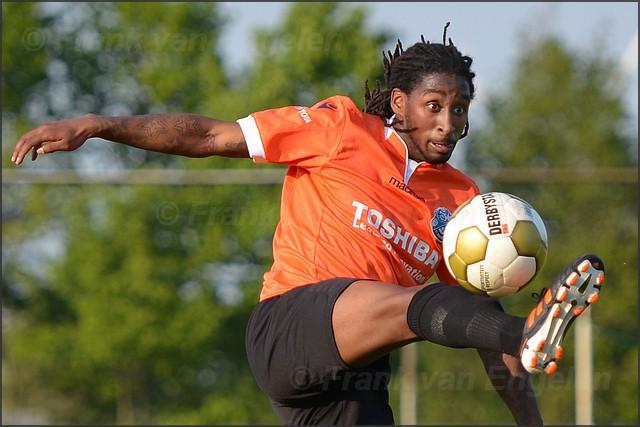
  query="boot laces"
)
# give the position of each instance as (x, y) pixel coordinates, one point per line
(536, 297)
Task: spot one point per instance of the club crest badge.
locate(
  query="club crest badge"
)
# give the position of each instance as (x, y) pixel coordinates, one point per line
(440, 219)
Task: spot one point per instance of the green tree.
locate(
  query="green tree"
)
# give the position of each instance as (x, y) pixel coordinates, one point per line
(22, 56)
(128, 304)
(320, 49)
(559, 137)
(101, 324)
(556, 135)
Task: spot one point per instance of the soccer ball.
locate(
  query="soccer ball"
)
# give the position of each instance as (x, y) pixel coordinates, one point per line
(495, 244)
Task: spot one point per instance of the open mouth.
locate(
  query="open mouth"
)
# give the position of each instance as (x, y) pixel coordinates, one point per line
(441, 148)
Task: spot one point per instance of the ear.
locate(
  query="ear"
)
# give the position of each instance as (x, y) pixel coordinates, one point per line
(398, 102)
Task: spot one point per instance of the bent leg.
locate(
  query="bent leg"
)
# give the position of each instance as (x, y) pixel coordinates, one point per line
(372, 318)
(292, 353)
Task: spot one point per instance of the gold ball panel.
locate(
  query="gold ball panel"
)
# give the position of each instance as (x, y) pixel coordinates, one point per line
(468, 286)
(471, 245)
(526, 238)
(541, 257)
(458, 267)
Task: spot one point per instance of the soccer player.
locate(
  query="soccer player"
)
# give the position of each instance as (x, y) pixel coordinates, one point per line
(360, 234)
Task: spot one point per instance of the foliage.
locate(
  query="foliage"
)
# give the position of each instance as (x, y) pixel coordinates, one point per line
(127, 303)
(22, 60)
(563, 112)
(321, 49)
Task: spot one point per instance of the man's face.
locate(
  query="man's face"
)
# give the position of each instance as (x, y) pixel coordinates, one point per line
(433, 116)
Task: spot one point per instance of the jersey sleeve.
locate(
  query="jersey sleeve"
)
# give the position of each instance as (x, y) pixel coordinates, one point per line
(295, 135)
(444, 275)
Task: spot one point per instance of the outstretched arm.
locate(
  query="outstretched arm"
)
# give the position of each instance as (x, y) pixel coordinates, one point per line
(180, 134)
(513, 384)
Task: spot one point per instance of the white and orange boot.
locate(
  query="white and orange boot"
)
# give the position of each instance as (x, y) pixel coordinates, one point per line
(573, 290)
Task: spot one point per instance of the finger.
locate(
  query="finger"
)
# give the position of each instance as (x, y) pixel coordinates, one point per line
(40, 149)
(28, 142)
(46, 147)
(20, 152)
(16, 157)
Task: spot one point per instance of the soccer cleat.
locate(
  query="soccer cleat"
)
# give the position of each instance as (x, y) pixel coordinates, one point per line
(577, 287)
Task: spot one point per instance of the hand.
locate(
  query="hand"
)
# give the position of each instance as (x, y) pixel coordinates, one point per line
(63, 135)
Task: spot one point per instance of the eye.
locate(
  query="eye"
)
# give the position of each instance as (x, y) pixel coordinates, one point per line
(459, 110)
(432, 106)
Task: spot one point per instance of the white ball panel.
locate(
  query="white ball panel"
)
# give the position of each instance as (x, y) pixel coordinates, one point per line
(537, 220)
(450, 236)
(501, 251)
(520, 271)
(485, 276)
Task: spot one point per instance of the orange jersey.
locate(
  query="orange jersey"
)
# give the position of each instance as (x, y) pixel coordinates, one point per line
(353, 203)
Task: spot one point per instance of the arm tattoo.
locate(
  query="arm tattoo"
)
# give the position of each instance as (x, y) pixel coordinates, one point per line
(184, 134)
(153, 125)
(165, 130)
(234, 147)
(187, 126)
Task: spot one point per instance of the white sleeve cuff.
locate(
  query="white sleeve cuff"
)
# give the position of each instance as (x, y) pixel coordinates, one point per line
(252, 137)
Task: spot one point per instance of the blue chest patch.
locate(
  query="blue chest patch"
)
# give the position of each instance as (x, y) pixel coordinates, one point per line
(440, 219)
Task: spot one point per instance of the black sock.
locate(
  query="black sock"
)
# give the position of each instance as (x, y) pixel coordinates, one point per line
(454, 317)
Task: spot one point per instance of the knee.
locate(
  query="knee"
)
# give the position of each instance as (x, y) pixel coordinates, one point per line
(442, 293)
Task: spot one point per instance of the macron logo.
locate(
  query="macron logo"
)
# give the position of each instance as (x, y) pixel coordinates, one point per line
(328, 105)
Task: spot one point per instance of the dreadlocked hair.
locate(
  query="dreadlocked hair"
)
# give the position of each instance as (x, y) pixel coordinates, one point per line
(405, 69)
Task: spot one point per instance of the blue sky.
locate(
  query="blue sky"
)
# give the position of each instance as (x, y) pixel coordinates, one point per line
(488, 31)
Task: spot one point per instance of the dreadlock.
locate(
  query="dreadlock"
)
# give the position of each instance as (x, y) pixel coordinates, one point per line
(405, 69)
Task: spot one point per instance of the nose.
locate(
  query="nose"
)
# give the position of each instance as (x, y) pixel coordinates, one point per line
(446, 125)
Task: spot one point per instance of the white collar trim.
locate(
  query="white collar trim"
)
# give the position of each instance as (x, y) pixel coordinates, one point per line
(410, 164)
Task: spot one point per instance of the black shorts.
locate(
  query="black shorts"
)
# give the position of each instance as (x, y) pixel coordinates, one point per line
(294, 358)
